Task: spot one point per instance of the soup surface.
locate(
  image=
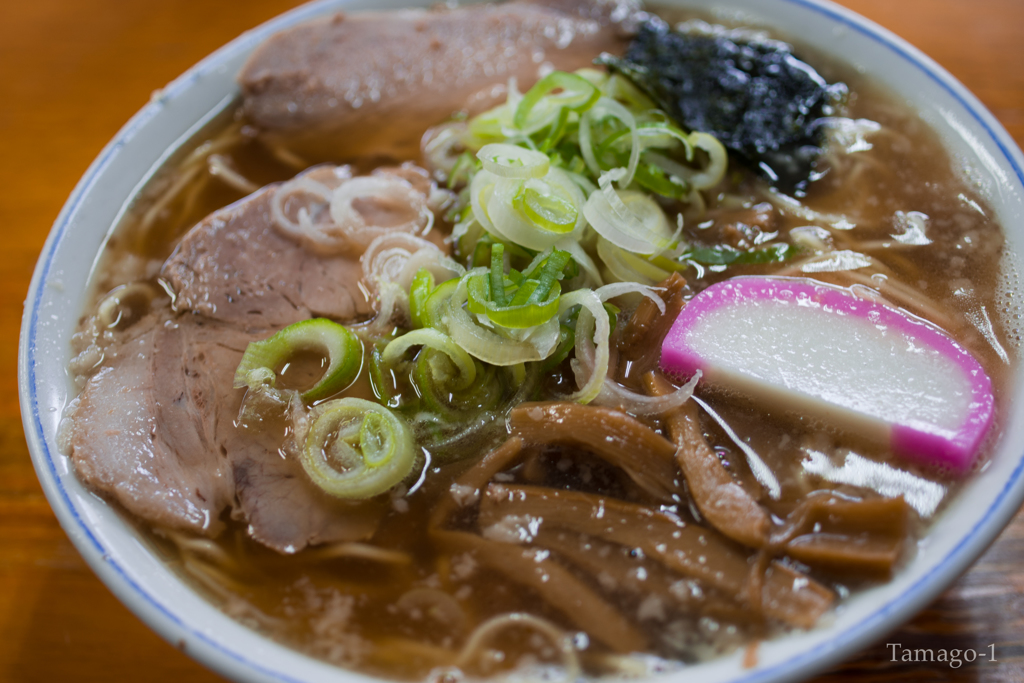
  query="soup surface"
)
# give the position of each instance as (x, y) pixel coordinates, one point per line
(553, 536)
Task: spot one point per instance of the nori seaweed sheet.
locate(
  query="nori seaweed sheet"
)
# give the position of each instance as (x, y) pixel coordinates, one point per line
(759, 100)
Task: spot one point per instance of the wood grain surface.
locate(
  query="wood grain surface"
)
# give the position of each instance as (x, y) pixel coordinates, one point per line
(73, 72)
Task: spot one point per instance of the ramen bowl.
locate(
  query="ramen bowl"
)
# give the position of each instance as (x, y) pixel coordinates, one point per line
(160, 597)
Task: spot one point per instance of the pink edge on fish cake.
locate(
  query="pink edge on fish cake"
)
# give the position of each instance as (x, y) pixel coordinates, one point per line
(950, 446)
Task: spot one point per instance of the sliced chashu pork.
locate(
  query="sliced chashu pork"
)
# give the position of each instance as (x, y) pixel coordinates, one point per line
(156, 427)
(282, 507)
(157, 430)
(372, 83)
(142, 441)
(235, 266)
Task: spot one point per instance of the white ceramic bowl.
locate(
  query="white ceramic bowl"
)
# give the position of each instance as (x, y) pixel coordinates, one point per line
(57, 297)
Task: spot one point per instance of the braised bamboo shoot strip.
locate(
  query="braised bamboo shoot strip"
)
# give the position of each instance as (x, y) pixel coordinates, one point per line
(648, 325)
(793, 598)
(615, 568)
(860, 556)
(685, 548)
(847, 536)
(613, 436)
(555, 584)
(470, 484)
(725, 504)
(619, 570)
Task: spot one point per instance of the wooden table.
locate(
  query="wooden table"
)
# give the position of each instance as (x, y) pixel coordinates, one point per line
(71, 73)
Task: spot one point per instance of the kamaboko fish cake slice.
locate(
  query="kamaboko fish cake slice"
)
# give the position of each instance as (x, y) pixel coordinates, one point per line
(858, 365)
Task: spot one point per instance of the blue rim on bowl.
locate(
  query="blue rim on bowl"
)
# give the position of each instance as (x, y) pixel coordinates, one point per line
(178, 615)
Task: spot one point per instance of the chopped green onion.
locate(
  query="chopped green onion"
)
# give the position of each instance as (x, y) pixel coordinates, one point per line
(463, 170)
(546, 209)
(576, 149)
(566, 342)
(551, 269)
(491, 125)
(432, 313)
(382, 377)
(439, 341)
(698, 178)
(604, 108)
(718, 160)
(627, 218)
(654, 178)
(357, 449)
(514, 315)
(517, 374)
(613, 316)
(627, 266)
(593, 327)
(651, 134)
(556, 131)
(578, 94)
(623, 90)
(429, 373)
(481, 252)
(419, 291)
(534, 296)
(496, 346)
(497, 290)
(338, 344)
(512, 161)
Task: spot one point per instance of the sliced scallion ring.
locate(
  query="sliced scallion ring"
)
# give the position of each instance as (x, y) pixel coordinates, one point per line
(591, 363)
(555, 201)
(588, 146)
(628, 219)
(577, 94)
(620, 88)
(519, 300)
(357, 449)
(555, 131)
(481, 196)
(702, 178)
(652, 134)
(628, 267)
(546, 209)
(419, 291)
(489, 345)
(513, 161)
(652, 177)
(718, 160)
(491, 125)
(342, 349)
(432, 312)
(439, 398)
(514, 315)
(439, 341)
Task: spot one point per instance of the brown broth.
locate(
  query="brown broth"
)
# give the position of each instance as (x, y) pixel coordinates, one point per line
(356, 612)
